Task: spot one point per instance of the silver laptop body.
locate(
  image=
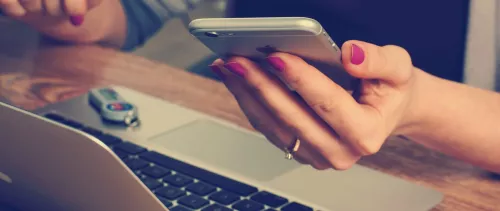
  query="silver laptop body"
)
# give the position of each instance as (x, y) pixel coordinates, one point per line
(46, 163)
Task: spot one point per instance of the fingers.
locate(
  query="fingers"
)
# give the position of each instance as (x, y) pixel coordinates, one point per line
(354, 122)
(12, 8)
(263, 121)
(331, 102)
(337, 125)
(368, 61)
(53, 7)
(75, 7)
(32, 6)
(292, 113)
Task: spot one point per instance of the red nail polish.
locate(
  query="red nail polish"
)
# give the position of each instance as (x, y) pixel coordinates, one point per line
(76, 20)
(357, 55)
(277, 63)
(236, 68)
(216, 69)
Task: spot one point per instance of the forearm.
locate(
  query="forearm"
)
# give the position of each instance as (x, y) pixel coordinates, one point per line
(457, 120)
(106, 24)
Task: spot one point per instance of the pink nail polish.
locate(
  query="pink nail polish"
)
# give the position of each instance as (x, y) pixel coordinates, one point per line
(76, 20)
(357, 55)
(236, 68)
(216, 69)
(277, 63)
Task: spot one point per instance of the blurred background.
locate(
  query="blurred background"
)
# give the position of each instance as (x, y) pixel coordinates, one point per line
(190, 54)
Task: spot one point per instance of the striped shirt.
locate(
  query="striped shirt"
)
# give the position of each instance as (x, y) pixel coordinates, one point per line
(482, 54)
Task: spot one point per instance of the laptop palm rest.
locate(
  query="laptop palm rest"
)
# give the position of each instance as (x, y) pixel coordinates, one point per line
(233, 150)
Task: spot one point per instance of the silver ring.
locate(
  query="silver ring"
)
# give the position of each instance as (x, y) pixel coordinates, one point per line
(290, 150)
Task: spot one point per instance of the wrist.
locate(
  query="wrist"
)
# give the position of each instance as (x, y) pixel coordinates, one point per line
(420, 105)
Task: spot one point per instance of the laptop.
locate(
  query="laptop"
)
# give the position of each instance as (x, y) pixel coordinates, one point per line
(64, 157)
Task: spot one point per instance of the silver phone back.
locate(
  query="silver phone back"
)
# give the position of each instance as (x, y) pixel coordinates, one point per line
(255, 38)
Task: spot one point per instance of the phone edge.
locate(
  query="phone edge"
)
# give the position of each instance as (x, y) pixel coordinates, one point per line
(272, 24)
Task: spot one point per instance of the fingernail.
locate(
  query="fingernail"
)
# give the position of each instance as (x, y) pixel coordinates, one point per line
(357, 55)
(76, 20)
(236, 68)
(216, 69)
(277, 63)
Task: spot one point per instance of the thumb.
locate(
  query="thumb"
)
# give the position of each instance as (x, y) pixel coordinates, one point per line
(77, 20)
(389, 63)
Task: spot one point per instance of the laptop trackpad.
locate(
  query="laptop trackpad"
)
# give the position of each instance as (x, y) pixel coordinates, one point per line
(224, 147)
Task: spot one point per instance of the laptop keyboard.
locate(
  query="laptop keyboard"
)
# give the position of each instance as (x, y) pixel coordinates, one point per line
(184, 187)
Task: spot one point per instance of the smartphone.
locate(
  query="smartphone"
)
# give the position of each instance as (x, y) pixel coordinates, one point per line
(256, 38)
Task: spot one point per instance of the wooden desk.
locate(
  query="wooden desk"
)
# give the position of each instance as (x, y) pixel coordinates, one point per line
(34, 75)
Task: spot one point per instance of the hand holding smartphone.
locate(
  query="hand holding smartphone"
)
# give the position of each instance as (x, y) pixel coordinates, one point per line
(256, 38)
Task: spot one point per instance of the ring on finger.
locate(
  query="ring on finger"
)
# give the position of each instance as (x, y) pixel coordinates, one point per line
(289, 151)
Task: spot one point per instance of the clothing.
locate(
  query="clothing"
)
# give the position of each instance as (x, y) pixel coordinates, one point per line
(146, 17)
(453, 42)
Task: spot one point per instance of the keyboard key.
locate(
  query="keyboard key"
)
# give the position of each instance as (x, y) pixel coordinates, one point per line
(200, 188)
(193, 202)
(224, 197)
(74, 124)
(109, 139)
(55, 117)
(178, 180)
(130, 148)
(92, 131)
(247, 205)
(156, 172)
(170, 193)
(136, 163)
(294, 206)
(206, 176)
(150, 182)
(269, 199)
(121, 154)
(216, 207)
(165, 202)
(179, 208)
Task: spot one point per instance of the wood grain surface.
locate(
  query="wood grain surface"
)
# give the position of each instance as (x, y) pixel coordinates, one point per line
(35, 73)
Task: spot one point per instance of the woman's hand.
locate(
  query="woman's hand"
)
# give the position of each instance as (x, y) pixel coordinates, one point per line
(335, 128)
(48, 10)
